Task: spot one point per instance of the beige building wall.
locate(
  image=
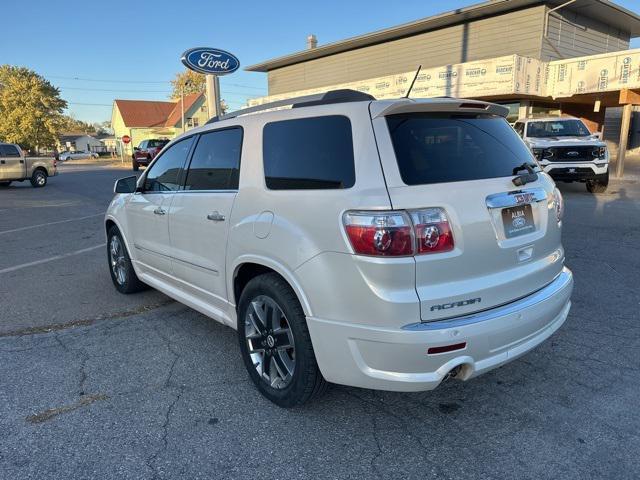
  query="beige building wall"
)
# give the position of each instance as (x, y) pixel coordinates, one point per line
(570, 34)
(520, 32)
(512, 33)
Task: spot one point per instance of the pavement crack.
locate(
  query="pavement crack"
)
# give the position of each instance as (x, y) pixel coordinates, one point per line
(53, 412)
(84, 322)
(84, 358)
(372, 409)
(151, 460)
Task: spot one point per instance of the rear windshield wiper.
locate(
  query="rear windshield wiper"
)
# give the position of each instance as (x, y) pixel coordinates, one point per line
(530, 176)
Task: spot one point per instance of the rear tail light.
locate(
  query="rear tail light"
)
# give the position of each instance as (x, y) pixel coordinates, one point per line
(399, 233)
(432, 230)
(387, 234)
(558, 202)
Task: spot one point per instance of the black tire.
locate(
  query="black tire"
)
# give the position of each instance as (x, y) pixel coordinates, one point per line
(599, 185)
(135, 165)
(38, 178)
(306, 382)
(5, 184)
(130, 283)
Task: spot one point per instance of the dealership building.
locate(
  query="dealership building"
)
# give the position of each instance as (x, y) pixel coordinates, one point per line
(538, 57)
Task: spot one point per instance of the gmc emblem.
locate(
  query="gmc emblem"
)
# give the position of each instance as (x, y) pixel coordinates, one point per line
(522, 198)
(461, 303)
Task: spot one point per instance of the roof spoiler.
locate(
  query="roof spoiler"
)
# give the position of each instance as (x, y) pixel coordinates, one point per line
(327, 98)
(439, 104)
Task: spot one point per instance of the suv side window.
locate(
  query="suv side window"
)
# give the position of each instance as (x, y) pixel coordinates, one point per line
(309, 153)
(9, 151)
(143, 144)
(215, 164)
(166, 173)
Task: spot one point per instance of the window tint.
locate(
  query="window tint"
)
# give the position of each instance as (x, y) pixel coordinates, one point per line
(9, 151)
(309, 153)
(166, 172)
(215, 164)
(453, 148)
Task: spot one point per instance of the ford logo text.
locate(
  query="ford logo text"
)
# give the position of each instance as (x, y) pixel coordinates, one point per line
(210, 61)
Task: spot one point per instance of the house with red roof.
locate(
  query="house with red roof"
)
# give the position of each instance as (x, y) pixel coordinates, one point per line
(145, 119)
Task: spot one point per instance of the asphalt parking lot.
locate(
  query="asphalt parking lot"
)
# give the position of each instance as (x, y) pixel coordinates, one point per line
(94, 384)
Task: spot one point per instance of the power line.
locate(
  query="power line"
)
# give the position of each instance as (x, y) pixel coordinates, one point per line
(245, 86)
(157, 82)
(104, 81)
(166, 92)
(113, 90)
(92, 104)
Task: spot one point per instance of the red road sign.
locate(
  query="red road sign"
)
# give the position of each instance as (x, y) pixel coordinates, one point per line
(126, 139)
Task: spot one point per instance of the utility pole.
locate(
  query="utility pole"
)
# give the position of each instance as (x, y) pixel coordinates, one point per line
(182, 106)
(186, 84)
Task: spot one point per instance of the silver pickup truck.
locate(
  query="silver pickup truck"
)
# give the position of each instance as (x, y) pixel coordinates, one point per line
(15, 167)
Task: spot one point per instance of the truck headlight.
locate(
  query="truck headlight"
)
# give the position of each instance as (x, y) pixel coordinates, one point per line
(599, 152)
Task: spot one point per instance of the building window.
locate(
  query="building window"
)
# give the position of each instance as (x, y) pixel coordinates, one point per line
(203, 108)
(192, 122)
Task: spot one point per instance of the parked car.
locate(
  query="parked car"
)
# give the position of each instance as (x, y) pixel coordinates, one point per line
(381, 244)
(77, 155)
(147, 151)
(15, 167)
(566, 150)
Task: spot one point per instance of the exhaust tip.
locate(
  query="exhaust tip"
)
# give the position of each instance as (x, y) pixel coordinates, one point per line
(453, 373)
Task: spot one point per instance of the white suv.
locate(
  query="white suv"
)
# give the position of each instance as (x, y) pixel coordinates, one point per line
(380, 244)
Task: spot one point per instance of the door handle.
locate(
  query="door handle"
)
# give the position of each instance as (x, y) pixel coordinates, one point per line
(21, 161)
(159, 211)
(216, 217)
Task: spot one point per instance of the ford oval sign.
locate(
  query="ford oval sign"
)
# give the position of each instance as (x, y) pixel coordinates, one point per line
(211, 61)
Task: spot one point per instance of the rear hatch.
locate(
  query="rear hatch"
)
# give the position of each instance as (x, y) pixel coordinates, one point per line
(462, 158)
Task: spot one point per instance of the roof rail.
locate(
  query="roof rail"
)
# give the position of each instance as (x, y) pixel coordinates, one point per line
(332, 96)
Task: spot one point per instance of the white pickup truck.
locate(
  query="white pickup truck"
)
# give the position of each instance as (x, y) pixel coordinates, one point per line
(567, 150)
(15, 167)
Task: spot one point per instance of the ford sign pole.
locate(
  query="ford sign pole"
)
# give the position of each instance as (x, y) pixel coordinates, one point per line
(212, 62)
(213, 95)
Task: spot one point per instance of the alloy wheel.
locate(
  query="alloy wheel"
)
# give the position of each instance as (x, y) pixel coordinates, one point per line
(270, 342)
(117, 260)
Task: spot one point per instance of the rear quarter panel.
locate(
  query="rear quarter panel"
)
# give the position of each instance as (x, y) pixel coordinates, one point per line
(289, 227)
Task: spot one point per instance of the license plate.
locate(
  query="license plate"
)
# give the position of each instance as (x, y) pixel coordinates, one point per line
(518, 221)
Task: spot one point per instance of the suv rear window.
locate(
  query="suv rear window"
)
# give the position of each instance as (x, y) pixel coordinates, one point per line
(439, 148)
(309, 153)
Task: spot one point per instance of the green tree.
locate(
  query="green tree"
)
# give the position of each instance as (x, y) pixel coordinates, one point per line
(70, 124)
(30, 108)
(192, 82)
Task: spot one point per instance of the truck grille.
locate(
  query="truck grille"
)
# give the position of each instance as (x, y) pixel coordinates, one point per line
(571, 154)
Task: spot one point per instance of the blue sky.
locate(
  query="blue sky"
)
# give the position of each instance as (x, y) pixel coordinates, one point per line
(97, 51)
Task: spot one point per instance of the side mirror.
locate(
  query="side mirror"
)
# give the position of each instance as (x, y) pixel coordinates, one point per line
(126, 185)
